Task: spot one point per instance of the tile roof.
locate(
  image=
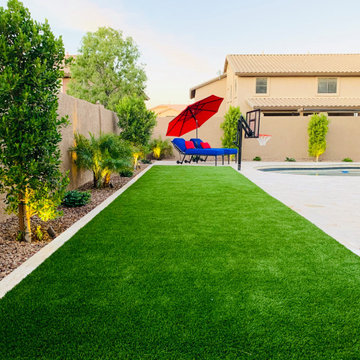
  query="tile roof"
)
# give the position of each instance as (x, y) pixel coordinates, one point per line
(272, 103)
(294, 64)
(163, 108)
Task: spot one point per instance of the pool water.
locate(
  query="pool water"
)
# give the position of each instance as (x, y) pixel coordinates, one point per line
(318, 171)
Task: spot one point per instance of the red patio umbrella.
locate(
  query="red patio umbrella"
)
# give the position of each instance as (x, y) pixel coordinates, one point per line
(193, 116)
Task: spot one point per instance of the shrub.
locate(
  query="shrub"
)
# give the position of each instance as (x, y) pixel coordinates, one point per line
(347, 159)
(230, 127)
(290, 159)
(126, 173)
(146, 161)
(317, 130)
(135, 120)
(257, 158)
(161, 148)
(75, 198)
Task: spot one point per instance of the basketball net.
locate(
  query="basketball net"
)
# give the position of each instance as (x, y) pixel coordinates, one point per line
(263, 139)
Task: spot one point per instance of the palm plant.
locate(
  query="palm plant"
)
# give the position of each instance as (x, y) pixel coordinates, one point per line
(103, 155)
(161, 148)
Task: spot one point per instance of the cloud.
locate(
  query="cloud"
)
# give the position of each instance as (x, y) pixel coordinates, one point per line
(86, 15)
(81, 15)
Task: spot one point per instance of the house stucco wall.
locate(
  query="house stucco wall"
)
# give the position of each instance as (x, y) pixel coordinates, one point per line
(83, 117)
(283, 87)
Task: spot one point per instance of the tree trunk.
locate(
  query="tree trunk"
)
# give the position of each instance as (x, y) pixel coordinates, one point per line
(27, 224)
(317, 158)
(107, 179)
(24, 221)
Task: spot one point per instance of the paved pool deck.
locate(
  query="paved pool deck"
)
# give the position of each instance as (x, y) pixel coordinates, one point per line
(332, 203)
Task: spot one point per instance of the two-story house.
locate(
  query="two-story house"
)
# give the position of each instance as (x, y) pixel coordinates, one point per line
(288, 89)
(288, 84)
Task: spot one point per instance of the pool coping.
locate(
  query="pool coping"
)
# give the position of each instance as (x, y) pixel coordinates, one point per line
(26, 268)
(302, 166)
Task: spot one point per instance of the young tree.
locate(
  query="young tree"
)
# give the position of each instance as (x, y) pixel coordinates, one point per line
(30, 69)
(317, 130)
(135, 121)
(230, 126)
(106, 69)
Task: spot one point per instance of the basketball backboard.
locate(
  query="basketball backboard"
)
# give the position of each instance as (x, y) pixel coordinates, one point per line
(253, 121)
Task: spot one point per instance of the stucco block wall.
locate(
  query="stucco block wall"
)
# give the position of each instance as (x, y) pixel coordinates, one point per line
(290, 139)
(83, 117)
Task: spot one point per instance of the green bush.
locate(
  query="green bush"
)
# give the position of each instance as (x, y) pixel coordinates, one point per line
(160, 149)
(317, 129)
(347, 159)
(146, 161)
(75, 198)
(290, 159)
(126, 173)
(230, 127)
(257, 158)
(135, 120)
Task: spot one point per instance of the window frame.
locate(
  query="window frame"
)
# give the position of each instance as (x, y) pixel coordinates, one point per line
(267, 86)
(327, 93)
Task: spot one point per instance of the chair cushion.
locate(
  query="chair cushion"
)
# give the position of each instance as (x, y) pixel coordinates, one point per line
(230, 151)
(179, 143)
(189, 145)
(205, 145)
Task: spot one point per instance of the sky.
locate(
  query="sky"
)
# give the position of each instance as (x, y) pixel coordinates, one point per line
(184, 43)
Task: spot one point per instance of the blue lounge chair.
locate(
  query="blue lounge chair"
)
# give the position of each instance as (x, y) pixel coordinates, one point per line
(227, 151)
(179, 145)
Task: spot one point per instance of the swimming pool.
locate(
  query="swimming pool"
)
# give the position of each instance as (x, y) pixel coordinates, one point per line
(316, 171)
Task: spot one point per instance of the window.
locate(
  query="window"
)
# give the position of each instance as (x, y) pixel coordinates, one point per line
(261, 85)
(327, 86)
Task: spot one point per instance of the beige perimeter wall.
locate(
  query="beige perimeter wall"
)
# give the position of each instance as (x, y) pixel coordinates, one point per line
(289, 137)
(84, 117)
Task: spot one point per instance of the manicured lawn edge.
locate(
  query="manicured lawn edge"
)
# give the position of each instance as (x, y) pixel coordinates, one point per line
(14, 278)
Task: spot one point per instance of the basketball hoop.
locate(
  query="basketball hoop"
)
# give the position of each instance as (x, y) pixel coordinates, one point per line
(263, 139)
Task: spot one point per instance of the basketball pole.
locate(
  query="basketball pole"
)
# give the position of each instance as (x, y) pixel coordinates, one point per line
(239, 141)
(242, 125)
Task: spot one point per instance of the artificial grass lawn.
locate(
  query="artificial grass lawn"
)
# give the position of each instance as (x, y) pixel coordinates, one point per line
(189, 263)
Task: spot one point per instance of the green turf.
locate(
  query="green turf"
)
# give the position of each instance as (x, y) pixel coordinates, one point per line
(189, 263)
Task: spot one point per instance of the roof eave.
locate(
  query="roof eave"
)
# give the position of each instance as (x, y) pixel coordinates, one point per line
(220, 77)
(282, 74)
(304, 108)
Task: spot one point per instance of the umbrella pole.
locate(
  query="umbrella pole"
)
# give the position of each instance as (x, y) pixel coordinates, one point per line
(197, 126)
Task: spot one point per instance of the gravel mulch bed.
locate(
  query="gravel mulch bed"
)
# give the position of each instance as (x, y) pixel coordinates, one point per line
(13, 253)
